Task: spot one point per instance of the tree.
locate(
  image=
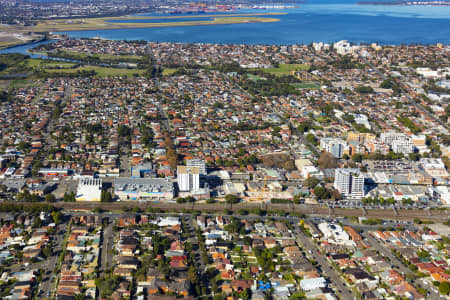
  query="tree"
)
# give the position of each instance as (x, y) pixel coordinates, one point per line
(106, 196)
(210, 200)
(321, 192)
(407, 122)
(279, 160)
(364, 89)
(218, 105)
(50, 198)
(107, 284)
(69, 197)
(56, 215)
(304, 127)
(80, 297)
(387, 84)
(181, 200)
(327, 109)
(232, 199)
(349, 118)
(192, 275)
(245, 294)
(311, 182)
(444, 288)
(123, 131)
(311, 139)
(414, 156)
(357, 157)
(423, 254)
(47, 251)
(327, 160)
(163, 267)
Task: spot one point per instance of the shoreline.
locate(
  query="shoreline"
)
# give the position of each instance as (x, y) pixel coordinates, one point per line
(106, 24)
(23, 44)
(405, 3)
(28, 52)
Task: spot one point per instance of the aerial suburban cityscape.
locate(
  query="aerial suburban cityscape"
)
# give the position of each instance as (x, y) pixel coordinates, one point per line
(159, 169)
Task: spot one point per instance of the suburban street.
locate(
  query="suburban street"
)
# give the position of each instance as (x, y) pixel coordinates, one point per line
(397, 263)
(48, 265)
(412, 101)
(107, 246)
(326, 268)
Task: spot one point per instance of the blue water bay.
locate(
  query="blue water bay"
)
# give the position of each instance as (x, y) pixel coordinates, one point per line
(326, 21)
(318, 20)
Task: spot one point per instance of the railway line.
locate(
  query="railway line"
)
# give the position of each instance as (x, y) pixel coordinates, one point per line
(297, 209)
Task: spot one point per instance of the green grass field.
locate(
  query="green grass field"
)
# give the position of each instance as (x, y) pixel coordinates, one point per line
(285, 69)
(7, 44)
(86, 56)
(36, 63)
(255, 77)
(169, 71)
(101, 71)
(22, 65)
(305, 85)
(16, 83)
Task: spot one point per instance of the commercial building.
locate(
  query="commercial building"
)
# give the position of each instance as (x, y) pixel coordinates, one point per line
(53, 172)
(143, 189)
(143, 170)
(89, 189)
(311, 171)
(350, 183)
(435, 167)
(188, 178)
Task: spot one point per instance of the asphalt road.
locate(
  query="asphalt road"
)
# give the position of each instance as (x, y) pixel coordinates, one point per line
(327, 271)
(125, 166)
(190, 229)
(107, 245)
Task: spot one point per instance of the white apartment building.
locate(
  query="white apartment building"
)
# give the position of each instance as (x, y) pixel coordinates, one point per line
(335, 234)
(399, 142)
(402, 146)
(188, 179)
(350, 183)
(344, 47)
(199, 163)
(335, 146)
